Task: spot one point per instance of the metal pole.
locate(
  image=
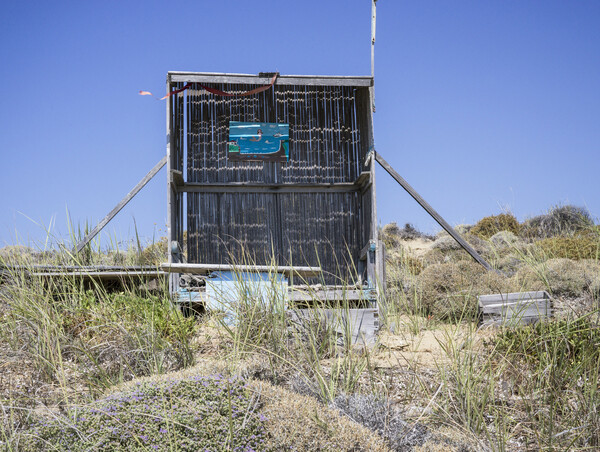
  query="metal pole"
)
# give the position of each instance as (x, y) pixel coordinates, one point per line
(373, 23)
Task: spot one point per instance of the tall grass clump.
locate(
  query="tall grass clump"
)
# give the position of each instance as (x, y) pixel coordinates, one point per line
(449, 291)
(294, 338)
(554, 372)
(74, 330)
(468, 382)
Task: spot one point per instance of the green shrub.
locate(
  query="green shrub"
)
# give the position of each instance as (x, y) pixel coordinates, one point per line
(561, 220)
(563, 277)
(450, 290)
(404, 261)
(155, 253)
(572, 339)
(554, 371)
(107, 337)
(582, 246)
(198, 413)
(504, 239)
(488, 226)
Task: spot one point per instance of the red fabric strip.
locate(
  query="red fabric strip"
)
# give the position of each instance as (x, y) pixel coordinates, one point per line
(218, 92)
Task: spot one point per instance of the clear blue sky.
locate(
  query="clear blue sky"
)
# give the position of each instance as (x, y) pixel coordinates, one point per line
(482, 106)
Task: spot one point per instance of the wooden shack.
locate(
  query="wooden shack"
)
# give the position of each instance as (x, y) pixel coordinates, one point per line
(314, 207)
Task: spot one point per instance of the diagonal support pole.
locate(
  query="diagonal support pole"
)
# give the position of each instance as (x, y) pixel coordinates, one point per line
(134, 191)
(430, 210)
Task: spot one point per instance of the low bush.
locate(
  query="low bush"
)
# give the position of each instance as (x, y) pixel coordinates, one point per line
(450, 290)
(392, 234)
(488, 226)
(380, 416)
(562, 277)
(198, 413)
(446, 243)
(582, 246)
(504, 239)
(405, 261)
(561, 220)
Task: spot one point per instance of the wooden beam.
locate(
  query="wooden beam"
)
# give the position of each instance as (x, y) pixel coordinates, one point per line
(202, 269)
(251, 79)
(102, 274)
(512, 297)
(430, 210)
(79, 268)
(326, 294)
(177, 178)
(267, 188)
(370, 246)
(134, 191)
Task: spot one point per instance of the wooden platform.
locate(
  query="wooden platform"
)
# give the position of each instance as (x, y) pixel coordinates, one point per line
(511, 309)
(86, 272)
(203, 269)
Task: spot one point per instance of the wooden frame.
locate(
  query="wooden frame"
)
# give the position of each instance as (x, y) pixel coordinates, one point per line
(276, 190)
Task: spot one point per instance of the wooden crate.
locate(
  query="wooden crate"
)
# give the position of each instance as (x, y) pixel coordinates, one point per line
(362, 324)
(518, 308)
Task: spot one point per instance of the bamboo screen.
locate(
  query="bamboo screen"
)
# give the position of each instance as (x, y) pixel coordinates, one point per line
(328, 144)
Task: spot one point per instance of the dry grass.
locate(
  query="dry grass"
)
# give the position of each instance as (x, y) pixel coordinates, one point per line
(434, 382)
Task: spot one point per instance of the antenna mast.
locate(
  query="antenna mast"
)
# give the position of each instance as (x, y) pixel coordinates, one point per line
(373, 22)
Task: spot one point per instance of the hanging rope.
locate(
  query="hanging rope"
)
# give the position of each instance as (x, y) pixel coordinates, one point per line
(215, 91)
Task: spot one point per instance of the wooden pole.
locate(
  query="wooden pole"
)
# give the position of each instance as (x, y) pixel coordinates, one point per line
(122, 204)
(373, 23)
(436, 216)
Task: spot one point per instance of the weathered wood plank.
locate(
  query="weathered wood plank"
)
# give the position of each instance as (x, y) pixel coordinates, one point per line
(370, 246)
(514, 308)
(296, 294)
(240, 187)
(102, 274)
(177, 178)
(202, 269)
(251, 79)
(511, 322)
(84, 268)
(513, 296)
(134, 191)
(539, 308)
(430, 210)
(362, 324)
(364, 179)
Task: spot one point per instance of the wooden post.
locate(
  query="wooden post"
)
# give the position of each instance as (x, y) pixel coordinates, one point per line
(374, 234)
(436, 216)
(134, 191)
(171, 194)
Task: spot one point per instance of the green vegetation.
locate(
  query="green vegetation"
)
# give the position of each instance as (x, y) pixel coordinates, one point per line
(583, 246)
(559, 221)
(91, 367)
(488, 226)
(214, 413)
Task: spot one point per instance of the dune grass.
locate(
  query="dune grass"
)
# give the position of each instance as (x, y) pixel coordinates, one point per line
(66, 346)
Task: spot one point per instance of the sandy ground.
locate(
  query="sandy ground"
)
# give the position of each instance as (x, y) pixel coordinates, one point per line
(418, 342)
(417, 247)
